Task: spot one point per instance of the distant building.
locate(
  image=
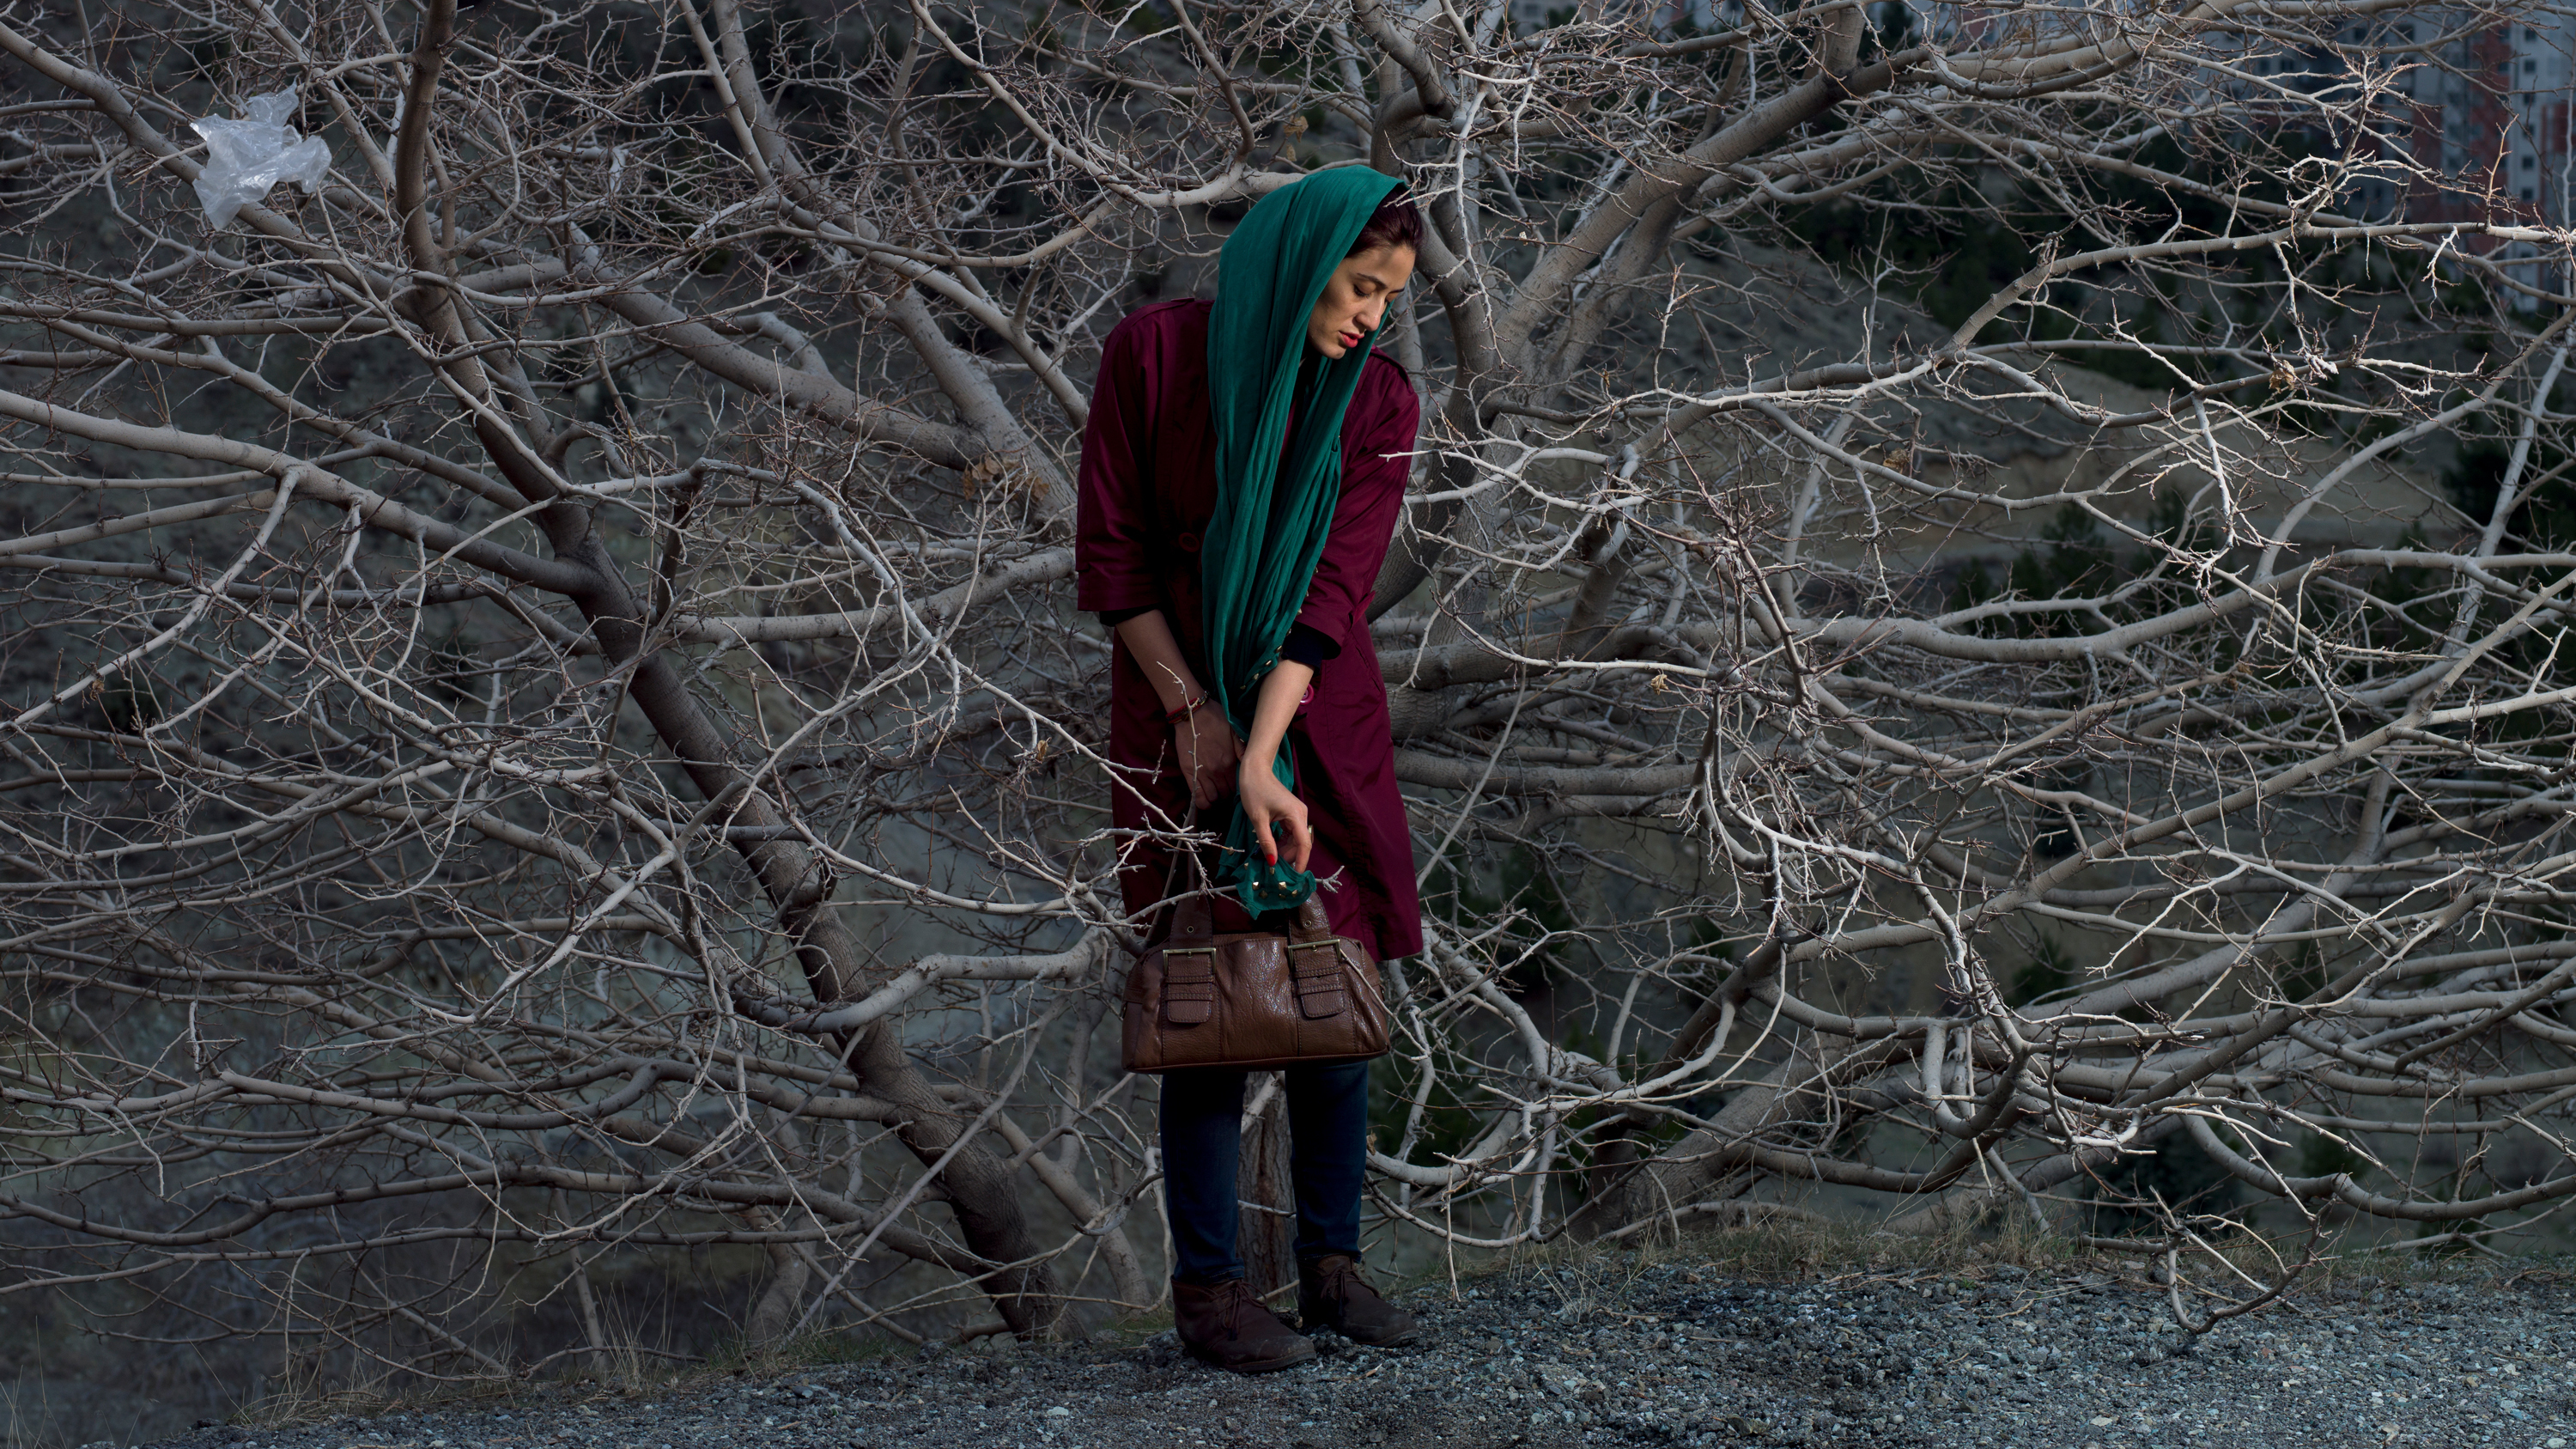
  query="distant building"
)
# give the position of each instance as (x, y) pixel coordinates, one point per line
(2473, 123)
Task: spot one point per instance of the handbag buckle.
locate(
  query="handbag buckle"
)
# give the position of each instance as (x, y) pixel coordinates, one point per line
(1319, 983)
(1189, 984)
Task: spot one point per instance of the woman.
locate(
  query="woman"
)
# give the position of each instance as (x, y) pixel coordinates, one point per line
(1241, 476)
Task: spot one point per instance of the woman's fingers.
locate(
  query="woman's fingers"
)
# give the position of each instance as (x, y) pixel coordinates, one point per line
(1269, 805)
(1301, 840)
(1260, 809)
(1266, 825)
(1258, 812)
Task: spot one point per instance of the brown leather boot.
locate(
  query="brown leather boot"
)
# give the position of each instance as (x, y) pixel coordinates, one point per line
(1225, 1325)
(1332, 1294)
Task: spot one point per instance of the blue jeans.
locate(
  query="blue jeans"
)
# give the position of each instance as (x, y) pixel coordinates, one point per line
(1203, 1135)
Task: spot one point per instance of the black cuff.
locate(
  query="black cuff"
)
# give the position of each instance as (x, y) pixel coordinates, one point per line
(1112, 618)
(1309, 646)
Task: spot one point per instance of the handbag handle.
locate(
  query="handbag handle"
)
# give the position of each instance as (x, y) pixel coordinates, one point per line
(1190, 922)
(1313, 926)
(1190, 912)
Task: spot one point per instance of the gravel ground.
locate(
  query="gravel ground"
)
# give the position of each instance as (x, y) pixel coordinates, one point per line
(1670, 1354)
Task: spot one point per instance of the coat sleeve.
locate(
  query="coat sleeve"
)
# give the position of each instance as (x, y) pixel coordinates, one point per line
(1113, 516)
(1373, 473)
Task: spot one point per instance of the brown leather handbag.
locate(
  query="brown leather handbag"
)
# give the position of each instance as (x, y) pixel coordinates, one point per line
(1251, 999)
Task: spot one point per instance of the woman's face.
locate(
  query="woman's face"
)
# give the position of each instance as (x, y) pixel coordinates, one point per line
(1354, 301)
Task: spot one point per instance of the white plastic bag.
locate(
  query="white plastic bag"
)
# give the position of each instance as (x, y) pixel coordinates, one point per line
(245, 158)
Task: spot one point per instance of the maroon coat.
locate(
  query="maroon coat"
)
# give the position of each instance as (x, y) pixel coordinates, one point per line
(1148, 489)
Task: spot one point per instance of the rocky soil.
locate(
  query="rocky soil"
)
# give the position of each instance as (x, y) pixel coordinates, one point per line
(1672, 1353)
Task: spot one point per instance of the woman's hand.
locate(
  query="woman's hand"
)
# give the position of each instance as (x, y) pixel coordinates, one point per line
(1203, 742)
(1266, 802)
(1208, 751)
(1269, 804)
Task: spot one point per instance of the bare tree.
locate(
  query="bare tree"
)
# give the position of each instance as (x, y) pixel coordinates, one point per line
(545, 716)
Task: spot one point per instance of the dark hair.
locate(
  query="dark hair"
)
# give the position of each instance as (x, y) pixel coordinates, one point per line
(1395, 223)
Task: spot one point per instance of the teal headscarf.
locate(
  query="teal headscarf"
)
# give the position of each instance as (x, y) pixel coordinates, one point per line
(1274, 494)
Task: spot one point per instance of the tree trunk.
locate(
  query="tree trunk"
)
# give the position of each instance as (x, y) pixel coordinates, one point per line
(979, 1186)
(775, 1313)
(1266, 1238)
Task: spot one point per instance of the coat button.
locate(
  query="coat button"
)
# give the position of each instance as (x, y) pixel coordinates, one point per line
(1188, 541)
